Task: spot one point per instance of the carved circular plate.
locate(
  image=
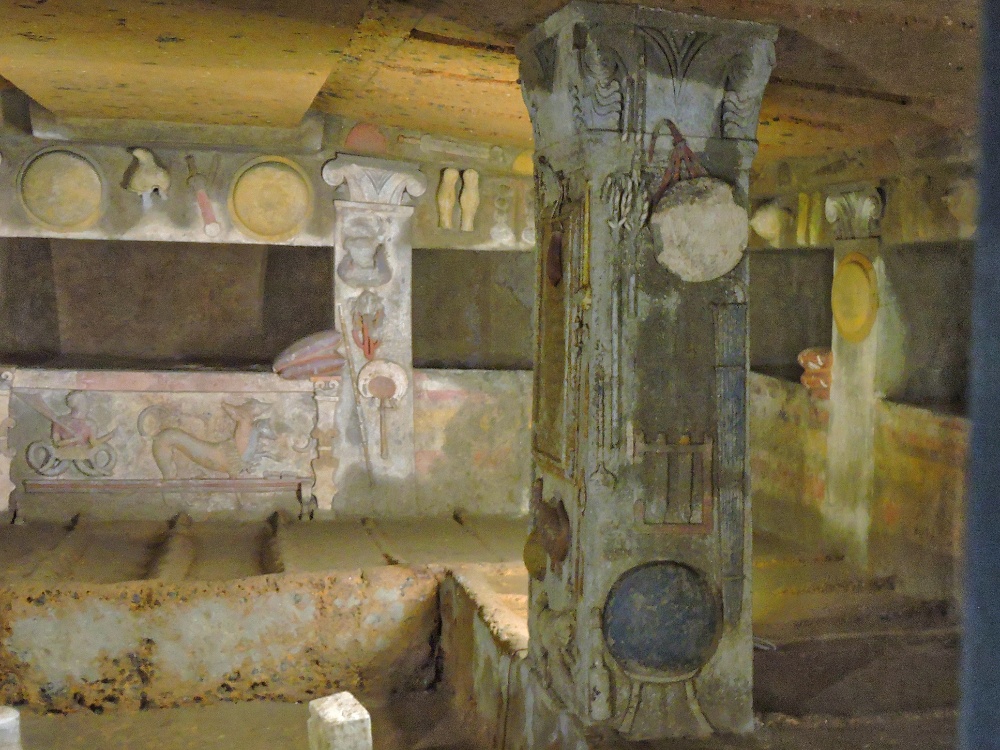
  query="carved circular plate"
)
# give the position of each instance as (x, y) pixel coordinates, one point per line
(662, 621)
(271, 199)
(854, 297)
(61, 191)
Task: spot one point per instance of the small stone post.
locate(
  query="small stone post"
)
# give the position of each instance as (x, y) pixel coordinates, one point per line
(338, 722)
(10, 729)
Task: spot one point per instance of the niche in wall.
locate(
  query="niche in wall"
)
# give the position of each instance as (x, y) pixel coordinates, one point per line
(147, 305)
(931, 302)
(473, 309)
(104, 303)
(789, 307)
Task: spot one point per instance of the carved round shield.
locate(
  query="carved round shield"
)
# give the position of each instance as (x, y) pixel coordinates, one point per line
(854, 297)
(702, 229)
(271, 199)
(62, 191)
(662, 621)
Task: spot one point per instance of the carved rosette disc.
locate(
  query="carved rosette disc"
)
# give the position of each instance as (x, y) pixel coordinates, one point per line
(271, 199)
(854, 297)
(62, 191)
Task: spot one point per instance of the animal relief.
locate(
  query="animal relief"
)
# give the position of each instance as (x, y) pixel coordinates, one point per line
(234, 455)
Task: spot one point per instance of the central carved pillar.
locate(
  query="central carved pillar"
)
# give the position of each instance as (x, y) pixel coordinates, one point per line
(373, 302)
(645, 125)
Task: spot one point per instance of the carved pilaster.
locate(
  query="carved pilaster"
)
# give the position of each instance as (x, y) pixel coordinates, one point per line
(645, 125)
(326, 394)
(855, 214)
(372, 294)
(6, 450)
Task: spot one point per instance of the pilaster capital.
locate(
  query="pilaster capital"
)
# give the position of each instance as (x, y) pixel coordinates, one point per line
(624, 69)
(327, 389)
(373, 181)
(855, 214)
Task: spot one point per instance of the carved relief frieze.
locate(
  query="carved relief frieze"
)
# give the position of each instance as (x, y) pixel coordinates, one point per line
(746, 78)
(368, 315)
(236, 454)
(627, 196)
(365, 263)
(326, 394)
(672, 53)
(146, 176)
(315, 356)
(681, 487)
(372, 255)
(199, 181)
(385, 383)
(74, 440)
(7, 450)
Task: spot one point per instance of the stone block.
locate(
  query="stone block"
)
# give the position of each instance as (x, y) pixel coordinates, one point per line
(339, 722)
(10, 728)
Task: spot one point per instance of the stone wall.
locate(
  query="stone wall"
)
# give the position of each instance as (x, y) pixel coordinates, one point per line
(473, 309)
(915, 534)
(29, 323)
(472, 434)
(917, 520)
(787, 458)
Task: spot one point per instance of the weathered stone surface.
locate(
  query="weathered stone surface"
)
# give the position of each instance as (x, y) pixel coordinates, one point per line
(81, 432)
(702, 229)
(919, 497)
(339, 722)
(162, 644)
(472, 441)
(471, 446)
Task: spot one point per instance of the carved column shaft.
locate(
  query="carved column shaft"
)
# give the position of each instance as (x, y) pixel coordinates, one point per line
(644, 127)
(373, 302)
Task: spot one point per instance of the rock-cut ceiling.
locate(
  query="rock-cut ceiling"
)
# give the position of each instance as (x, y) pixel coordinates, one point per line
(850, 72)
